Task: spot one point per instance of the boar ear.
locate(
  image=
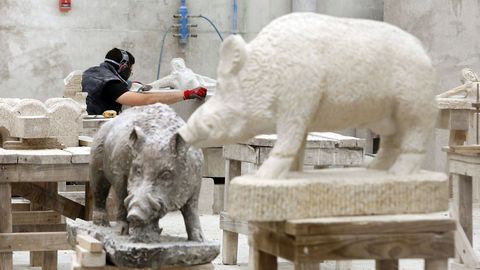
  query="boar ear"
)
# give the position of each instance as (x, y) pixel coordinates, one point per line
(178, 145)
(233, 54)
(137, 138)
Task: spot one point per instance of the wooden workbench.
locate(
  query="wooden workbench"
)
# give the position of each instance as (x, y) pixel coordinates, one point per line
(323, 149)
(33, 174)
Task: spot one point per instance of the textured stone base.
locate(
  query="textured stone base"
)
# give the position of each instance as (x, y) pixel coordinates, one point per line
(336, 192)
(166, 251)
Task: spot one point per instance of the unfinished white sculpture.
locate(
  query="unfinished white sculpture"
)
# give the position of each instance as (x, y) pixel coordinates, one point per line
(182, 77)
(57, 118)
(468, 88)
(309, 72)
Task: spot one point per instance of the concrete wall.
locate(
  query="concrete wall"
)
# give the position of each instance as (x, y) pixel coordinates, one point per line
(450, 31)
(365, 9)
(39, 45)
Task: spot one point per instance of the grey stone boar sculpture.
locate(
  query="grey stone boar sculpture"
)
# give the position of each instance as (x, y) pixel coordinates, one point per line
(151, 169)
(309, 72)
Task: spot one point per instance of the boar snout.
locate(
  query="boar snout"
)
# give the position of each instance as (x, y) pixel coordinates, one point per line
(142, 209)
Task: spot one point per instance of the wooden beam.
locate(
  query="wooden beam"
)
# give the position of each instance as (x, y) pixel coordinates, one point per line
(37, 241)
(11, 173)
(39, 228)
(35, 217)
(366, 225)
(48, 199)
(89, 243)
(6, 259)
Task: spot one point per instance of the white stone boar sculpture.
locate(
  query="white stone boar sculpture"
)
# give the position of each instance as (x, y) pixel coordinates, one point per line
(309, 72)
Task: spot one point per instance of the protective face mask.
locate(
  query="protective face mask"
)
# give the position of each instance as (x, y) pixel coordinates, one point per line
(125, 74)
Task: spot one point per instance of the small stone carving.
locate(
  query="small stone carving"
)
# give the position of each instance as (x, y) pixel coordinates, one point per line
(309, 72)
(182, 77)
(150, 167)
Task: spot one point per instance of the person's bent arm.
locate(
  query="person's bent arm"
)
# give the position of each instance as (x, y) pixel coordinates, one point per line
(137, 99)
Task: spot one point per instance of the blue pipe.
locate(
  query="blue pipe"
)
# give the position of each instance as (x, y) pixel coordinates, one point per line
(235, 18)
(184, 30)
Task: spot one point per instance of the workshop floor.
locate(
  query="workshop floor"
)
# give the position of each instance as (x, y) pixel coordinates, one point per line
(210, 224)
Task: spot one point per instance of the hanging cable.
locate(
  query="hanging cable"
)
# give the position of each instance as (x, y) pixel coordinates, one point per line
(212, 24)
(161, 50)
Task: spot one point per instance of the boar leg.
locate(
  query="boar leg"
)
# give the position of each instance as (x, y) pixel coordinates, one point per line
(192, 221)
(292, 131)
(122, 223)
(100, 187)
(387, 153)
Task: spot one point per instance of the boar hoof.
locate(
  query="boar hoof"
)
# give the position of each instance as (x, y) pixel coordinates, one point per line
(274, 168)
(122, 227)
(196, 236)
(407, 164)
(100, 218)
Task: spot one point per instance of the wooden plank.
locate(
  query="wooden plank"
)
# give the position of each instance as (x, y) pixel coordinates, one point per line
(89, 243)
(263, 260)
(313, 141)
(36, 241)
(386, 265)
(19, 228)
(441, 264)
(341, 140)
(50, 200)
(462, 197)
(41, 173)
(50, 260)
(229, 247)
(79, 154)
(35, 217)
(463, 246)
(20, 204)
(241, 152)
(85, 141)
(43, 156)
(438, 222)
(344, 247)
(6, 260)
(232, 225)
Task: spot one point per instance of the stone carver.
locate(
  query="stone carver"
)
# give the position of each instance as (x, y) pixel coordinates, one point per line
(308, 72)
(150, 167)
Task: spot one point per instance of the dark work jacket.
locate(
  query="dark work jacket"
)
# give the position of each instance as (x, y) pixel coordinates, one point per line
(93, 82)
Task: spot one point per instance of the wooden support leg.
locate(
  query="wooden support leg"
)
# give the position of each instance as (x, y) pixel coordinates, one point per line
(386, 265)
(230, 239)
(6, 261)
(436, 264)
(49, 260)
(306, 266)
(229, 247)
(263, 261)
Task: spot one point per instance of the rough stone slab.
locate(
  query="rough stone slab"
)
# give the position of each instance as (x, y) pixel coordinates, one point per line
(44, 156)
(312, 141)
(8, 156)
(123, 252)
(31, 127)
(340, 140)
(79, 154)
(337, 192)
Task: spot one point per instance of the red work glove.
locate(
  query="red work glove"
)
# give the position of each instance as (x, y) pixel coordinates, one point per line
(198, 93)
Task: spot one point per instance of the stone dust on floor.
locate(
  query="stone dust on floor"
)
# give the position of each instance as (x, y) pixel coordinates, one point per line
(173, 224)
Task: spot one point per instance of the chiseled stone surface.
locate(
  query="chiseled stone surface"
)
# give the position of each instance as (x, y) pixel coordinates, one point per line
(337, 192)
(167, 250)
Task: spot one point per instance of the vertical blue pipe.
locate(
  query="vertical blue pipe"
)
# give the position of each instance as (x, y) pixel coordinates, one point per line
(235, 18)
(184, 30)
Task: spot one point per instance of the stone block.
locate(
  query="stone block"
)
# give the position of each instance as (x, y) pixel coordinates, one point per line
(31, 127)
(90, 259)
(218, 199)
(337, 192)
